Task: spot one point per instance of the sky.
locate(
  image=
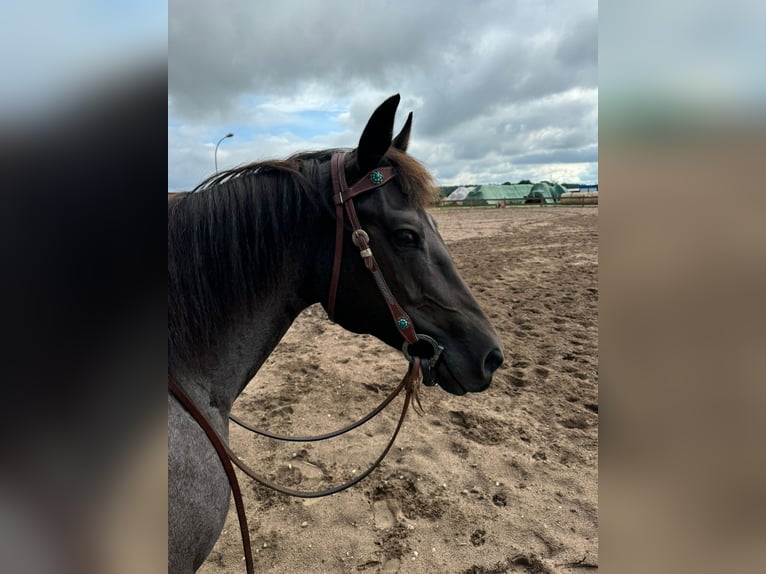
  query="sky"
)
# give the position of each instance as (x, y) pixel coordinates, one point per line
(500, 90)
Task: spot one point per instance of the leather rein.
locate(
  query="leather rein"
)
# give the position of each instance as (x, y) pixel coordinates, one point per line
(344, 206)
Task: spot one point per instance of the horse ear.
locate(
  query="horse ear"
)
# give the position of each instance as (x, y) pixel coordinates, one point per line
(376, 137)
(402, 140)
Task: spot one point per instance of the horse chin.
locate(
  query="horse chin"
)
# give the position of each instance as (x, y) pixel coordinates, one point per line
(441, 374)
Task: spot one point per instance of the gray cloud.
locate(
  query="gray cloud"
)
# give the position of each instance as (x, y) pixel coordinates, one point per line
(490, 80)
(577, 48)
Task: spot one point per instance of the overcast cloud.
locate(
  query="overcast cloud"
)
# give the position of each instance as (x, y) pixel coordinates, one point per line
(500, 90)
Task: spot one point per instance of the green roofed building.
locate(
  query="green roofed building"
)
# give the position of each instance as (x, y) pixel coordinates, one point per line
(489, 194)
(509, 194)
(545, 192)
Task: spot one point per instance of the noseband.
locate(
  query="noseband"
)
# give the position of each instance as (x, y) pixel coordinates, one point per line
(343, 200)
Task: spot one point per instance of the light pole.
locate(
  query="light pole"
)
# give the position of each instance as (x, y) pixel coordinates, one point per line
(215, 155)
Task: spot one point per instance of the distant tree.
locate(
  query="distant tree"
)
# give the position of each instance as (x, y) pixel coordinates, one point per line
(525, 181)
(506, 183)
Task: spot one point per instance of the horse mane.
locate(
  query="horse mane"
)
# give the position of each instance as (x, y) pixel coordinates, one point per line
(227, 236)
(414, 178)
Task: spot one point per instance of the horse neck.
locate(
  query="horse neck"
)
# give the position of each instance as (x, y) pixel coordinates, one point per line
(245, 347)
(248, 342)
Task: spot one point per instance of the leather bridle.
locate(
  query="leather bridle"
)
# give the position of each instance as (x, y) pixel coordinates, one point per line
(343, 199)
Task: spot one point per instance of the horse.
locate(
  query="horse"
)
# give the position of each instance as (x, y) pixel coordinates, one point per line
(251, 247)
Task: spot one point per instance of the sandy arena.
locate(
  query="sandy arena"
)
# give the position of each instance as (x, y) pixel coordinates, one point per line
(496, 482)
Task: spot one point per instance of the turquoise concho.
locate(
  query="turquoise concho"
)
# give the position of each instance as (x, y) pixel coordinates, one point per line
(403, 323)
(376, 177)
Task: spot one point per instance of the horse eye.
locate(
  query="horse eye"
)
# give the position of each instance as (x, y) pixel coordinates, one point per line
(407, 238)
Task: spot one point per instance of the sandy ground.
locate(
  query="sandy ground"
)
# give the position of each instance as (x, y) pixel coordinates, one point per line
(496, 482)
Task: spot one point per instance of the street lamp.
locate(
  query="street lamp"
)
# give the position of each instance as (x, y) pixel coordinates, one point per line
(215, 155)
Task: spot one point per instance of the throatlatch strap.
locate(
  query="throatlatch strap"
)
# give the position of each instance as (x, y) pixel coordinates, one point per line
(338, 257)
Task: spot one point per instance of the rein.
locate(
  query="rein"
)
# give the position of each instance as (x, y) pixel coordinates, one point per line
(227, 456)
(343, 199)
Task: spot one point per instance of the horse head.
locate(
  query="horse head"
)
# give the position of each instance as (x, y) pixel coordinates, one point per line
(416, 265)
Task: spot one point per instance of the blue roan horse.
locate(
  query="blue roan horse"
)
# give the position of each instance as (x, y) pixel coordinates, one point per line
(251, 248)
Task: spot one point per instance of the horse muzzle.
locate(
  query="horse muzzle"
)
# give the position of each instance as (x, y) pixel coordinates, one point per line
(452, 375)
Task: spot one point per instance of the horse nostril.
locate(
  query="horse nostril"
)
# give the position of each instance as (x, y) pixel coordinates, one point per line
(492, 362)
